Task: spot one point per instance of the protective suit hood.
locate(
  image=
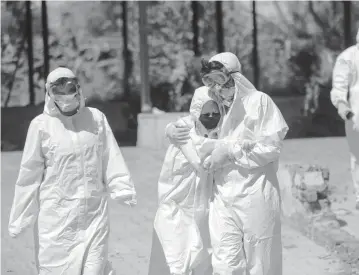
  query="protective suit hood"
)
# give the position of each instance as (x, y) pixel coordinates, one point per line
(50, 107)
(200, 98)
(229, 61)
(232, 64)
(58, 73)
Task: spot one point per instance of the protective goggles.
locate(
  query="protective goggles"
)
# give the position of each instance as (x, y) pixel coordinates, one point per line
(214, 73)
(65, 86)
(217, 78)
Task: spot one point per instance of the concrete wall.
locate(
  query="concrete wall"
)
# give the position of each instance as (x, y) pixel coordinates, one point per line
(151, 129)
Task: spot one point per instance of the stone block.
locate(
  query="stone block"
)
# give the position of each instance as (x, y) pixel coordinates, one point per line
(304, 192)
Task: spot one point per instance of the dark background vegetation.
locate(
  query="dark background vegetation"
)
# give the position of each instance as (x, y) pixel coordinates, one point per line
(297, 43)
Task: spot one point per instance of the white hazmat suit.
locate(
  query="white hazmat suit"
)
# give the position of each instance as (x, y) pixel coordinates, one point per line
(70, 165)
(345, 97)
(244, 217)
(184, 192)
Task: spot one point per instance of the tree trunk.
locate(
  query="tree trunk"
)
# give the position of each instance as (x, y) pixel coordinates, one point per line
(255, 47)
(30, 53)
(126, 53)
(219, 21)
(195, 28)
(45, 37)
(347, 24)
(146, 106)
(12, 81)
(17, 57)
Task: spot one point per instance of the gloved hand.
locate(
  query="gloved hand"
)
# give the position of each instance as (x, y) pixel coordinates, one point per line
(344, 111)
(12, 235)
(130, 200)
(178, 134)
(14, 232)
(247, 145)
(221, 156)
(355, 120)
(207, 163)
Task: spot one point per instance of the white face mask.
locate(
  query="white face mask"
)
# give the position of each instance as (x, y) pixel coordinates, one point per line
(225, 95)
(67, 103)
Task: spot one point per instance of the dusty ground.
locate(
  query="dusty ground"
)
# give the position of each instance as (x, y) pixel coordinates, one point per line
(132, 228)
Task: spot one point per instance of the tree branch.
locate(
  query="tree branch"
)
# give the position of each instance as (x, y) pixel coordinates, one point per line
(283, 17)
(267, 20)
(316, 16)
(18, 53)
(11, 82)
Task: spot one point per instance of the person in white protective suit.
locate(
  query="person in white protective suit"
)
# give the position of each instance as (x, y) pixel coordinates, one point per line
(185, 188)
(244, 219)
(345, 97)
(71, 164)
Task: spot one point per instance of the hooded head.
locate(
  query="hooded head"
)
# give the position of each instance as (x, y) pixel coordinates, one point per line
(222, 75)
(205, 109)
(63, 93)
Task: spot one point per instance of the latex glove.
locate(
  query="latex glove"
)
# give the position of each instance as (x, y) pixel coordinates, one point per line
(207, 163)
(13, 235)
(356, 127)
(131, 203)
(247, 145)
(130, 200)
(221, 156)
(344, 111)
(355, 120)
(178, 134)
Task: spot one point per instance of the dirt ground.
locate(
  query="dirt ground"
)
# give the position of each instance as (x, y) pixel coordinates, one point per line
(131, 228)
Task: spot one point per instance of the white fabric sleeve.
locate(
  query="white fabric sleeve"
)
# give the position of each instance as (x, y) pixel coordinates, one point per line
(340, 86)
(189, 149)
(187, 119)
(166, 129)
(25, 205)
(270, 129)
(116, 174)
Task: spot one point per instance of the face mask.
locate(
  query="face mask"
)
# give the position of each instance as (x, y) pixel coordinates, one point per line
(210, 122)
(67, 103)
(225, 96)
